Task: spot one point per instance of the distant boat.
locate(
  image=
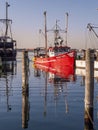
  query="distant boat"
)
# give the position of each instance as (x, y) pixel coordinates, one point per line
(7, 43)
(57, 55)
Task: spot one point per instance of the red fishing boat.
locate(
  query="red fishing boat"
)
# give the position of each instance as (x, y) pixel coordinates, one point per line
(59, 54)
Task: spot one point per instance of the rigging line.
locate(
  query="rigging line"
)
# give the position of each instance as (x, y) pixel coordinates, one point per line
(95, 25)
(10, 30)
(89, 39)
(93, 40)
(85, 39)
(1, 32)
(41, 32)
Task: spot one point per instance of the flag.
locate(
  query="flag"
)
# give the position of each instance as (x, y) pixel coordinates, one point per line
(45, 13)
(7, 4)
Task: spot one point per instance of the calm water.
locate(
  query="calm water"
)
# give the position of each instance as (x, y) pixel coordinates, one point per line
(47, 105)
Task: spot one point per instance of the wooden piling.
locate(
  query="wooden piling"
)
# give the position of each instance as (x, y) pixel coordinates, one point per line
(25, 69)
(97, 56)
(89, 87)
(25, 85)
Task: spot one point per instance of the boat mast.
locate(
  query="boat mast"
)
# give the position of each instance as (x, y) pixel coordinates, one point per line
(6, 32)
(56, 32)
(66, 29)
(45, 33)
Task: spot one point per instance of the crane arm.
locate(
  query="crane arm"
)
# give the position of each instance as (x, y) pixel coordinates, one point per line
(91, 28)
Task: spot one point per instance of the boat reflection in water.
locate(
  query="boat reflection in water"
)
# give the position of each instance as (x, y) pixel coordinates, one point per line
(57, 78)
(7, 71)
(62, 73)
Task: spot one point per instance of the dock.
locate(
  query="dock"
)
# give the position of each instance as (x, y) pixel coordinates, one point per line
(82, 72)
(82, 64)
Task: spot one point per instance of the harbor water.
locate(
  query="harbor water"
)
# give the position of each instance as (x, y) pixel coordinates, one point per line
(49, 103)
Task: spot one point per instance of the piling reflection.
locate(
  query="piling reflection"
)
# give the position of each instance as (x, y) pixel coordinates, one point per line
(88, 119)
(37, 72)
(45, 95)
(25, 108)
(7, 71)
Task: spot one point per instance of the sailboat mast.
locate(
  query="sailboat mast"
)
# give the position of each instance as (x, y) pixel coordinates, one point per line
(66, 29)
(6, 32)
(45, 32)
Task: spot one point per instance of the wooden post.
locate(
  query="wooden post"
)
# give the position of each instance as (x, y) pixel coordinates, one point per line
(89, 88)
(25, 105)
(25, 69)
(97, 55)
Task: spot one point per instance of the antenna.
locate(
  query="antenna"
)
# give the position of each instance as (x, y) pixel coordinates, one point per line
(66, 29)
(7, 5)
(45, 32)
